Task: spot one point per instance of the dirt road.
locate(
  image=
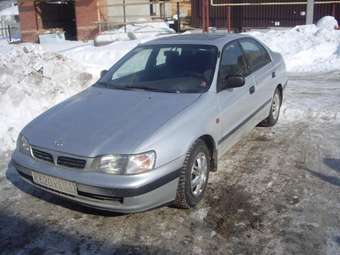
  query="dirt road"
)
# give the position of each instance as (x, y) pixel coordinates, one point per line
(276, 192)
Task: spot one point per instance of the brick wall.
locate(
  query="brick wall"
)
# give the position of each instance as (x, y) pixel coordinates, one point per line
(28, 21)
(86, 18)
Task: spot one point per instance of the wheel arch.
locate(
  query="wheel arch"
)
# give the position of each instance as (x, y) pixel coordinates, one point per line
(211, 144)
(280, 88)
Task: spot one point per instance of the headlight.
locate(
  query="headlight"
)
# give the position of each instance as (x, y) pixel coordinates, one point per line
(141, 163)
(126, 164)
(23, 145)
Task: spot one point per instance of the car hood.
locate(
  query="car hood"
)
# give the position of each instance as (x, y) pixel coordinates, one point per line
(101, 121)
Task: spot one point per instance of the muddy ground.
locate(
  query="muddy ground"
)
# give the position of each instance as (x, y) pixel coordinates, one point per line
(276, 192)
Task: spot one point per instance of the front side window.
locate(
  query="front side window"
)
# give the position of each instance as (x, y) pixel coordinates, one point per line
(256, 55)
(174, 69)
(232, 62)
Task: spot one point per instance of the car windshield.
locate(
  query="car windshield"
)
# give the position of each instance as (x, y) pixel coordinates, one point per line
(164, 68)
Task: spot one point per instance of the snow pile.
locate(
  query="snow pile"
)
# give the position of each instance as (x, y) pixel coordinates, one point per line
(150, 27)
(11, 11)
(309, 48)
(312, 99)
(96, 59)
(31, 81)
(134, 31)
(327, 22)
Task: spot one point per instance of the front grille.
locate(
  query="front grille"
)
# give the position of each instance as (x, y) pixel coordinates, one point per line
(42, 155)
(71, 162)
(61, 160)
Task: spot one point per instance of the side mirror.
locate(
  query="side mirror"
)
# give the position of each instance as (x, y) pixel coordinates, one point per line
(102, 73)
(233, 81)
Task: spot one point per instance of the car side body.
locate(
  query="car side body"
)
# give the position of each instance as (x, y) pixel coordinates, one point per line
(65, 141)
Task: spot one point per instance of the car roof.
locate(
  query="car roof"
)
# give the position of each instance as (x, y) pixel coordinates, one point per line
(216, 39)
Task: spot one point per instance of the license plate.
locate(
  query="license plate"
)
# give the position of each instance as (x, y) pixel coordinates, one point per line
(55, 183)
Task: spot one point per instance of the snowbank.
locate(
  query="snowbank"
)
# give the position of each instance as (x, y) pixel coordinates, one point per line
(134, 31)
(95, 59)
(31, 81)
(149, 27)
(312, 99)
(328, 22)
(11, 11)
(309, 48)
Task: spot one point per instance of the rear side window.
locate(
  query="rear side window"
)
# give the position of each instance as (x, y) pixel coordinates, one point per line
(256, 55)
(232, 61)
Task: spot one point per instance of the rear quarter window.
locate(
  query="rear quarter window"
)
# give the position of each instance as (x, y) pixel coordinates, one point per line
(256, 55)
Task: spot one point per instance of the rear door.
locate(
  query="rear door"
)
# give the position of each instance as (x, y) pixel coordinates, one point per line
(261, 68)
(235, 106)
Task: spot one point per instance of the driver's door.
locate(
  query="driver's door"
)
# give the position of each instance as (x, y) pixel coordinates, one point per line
(235, 104)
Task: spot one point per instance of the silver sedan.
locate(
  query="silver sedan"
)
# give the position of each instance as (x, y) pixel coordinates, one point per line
(153, 127)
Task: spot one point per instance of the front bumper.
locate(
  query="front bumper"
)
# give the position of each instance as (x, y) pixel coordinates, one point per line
(117, 193)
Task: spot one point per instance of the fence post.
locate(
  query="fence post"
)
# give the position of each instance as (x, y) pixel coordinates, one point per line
(164, 10)
(124, 15)
(9, 33)
(310, 12)
(205, 15)
(4, 28)
(178, 19)
(229, 19)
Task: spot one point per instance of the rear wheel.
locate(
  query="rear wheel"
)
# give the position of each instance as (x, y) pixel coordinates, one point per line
(274, 113)
(194, 176)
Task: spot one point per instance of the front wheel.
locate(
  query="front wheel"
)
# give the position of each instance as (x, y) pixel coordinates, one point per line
(274, 113)
(194, 176)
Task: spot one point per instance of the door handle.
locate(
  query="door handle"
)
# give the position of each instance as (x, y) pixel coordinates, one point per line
(252, 89)
(273, 74)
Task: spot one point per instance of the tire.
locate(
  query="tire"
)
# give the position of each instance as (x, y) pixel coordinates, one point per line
(187, 196)
(274, 114)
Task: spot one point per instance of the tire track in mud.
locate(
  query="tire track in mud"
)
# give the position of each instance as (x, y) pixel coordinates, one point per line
(245, 210)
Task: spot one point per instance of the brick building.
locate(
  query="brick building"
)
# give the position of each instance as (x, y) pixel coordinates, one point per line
(77, 18)
(81, 19)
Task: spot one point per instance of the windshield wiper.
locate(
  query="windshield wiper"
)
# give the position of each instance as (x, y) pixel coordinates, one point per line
(149, 89)
(110, 86)
(130, 87)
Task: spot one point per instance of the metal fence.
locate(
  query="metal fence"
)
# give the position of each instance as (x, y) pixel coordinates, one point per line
(124, 12)
(239, 15)
(9, 30)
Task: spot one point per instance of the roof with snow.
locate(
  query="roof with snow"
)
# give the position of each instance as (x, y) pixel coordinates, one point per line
(217, 39)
